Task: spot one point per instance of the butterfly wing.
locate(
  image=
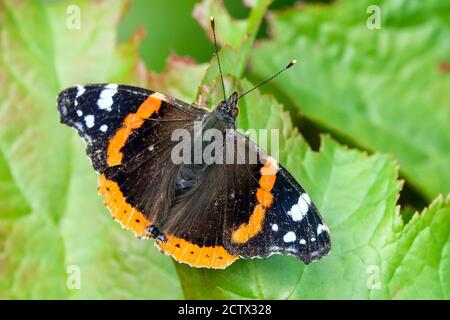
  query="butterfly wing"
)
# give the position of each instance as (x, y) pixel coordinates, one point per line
(268, 212)
(133, 172)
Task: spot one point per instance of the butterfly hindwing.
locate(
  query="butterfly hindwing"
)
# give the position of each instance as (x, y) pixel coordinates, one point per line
(269, 212)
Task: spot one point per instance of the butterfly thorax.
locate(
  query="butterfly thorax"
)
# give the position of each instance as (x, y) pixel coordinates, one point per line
(221, 119)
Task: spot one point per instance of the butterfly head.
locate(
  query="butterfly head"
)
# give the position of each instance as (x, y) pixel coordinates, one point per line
(228, 108)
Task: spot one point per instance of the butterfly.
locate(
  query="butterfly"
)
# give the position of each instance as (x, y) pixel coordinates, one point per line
(244, 204)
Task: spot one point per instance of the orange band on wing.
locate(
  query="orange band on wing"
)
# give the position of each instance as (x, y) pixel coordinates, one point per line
(265, 198)
(246, 231)
(121, 210)
(194, 255)
(255, 224)
(132, 122)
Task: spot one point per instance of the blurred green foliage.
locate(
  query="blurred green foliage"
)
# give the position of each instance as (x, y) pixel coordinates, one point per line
(381, 89)
(170, 28)
(56, 237)
(371, 88)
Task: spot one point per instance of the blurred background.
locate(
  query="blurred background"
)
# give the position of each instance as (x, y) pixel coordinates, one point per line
(163, 22)
(367, 105)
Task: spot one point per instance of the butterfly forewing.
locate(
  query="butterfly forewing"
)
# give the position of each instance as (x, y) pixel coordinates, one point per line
(97, 111)
(128, 131)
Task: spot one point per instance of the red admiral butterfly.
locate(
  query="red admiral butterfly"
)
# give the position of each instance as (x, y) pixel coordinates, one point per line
(205, 215)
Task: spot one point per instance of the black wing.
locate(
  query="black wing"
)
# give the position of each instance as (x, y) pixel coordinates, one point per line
(268, 211)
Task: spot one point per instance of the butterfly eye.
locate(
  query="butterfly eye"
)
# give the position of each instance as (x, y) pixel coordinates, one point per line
(235, 112)
(222, 105)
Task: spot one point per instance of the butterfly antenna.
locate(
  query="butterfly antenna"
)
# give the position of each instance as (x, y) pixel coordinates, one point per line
(272, 77)
(213, 27)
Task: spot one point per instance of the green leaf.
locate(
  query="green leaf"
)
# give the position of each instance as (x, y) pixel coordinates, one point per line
(169, 28)
(236, 36)
(180, 78)
(420, 265)
(13, 204)
(54, 231)
(384, 90)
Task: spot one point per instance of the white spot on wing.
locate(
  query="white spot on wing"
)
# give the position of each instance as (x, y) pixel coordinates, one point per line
(321, 228)
(306, 198)
(79, 113)
(103, 128)
(299, 210)
(279, 249)
(112, 86)
(90, 120)
(289, 237)
(275, 227)
(313, 239)
(80, 90)
(302, 241)
(106, 97)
